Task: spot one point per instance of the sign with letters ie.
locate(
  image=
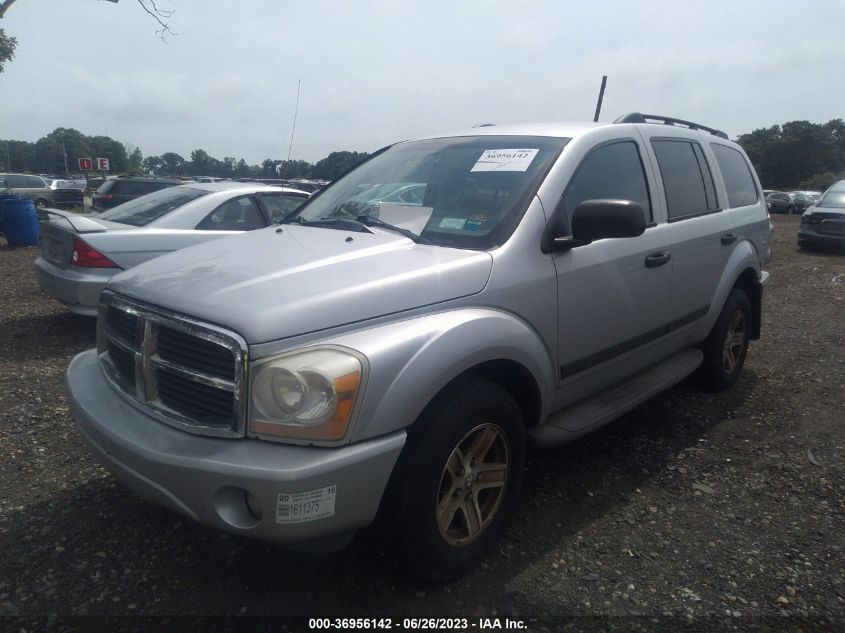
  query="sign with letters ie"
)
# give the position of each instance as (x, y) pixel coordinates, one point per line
(85, 164)
(103, 164)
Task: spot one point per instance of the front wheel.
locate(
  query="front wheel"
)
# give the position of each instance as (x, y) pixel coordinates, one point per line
(460, 478)
(726, 346)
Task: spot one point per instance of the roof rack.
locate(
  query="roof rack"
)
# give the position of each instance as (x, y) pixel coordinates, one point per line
(636, 117)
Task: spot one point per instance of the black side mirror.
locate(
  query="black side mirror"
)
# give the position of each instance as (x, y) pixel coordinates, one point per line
(595, 220)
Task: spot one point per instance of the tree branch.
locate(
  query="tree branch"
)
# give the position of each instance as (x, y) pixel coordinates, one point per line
(4, 6)
(160, 15)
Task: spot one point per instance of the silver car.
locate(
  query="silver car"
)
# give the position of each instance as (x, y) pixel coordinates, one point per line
(81, 253)
(29, 186)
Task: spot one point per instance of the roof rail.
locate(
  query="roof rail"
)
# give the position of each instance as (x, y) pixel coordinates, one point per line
(636, 117)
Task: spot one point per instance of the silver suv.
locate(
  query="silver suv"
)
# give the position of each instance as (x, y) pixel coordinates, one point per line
(392, 360)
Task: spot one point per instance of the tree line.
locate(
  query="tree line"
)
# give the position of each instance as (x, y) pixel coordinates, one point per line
(795, 155)
(58, 151)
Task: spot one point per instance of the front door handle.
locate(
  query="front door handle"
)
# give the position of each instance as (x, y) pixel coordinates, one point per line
(657, 259)
(728, 238)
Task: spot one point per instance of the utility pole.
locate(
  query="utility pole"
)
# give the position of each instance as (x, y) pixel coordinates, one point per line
(601, 98)
(64, 153)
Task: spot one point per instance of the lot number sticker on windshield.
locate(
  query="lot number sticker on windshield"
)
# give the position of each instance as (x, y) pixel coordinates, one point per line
(505, 160)
(306, 506)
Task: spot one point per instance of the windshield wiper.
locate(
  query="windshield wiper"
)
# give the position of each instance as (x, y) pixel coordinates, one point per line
(343, 224)
(369, 220)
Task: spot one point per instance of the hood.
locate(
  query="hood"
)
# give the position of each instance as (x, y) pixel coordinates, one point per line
(268, 285)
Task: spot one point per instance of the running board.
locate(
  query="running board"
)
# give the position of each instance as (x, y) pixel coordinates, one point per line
(591, 413)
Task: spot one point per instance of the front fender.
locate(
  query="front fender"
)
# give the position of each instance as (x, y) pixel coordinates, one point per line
(411, 361)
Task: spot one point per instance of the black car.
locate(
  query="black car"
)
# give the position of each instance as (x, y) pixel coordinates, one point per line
(67, 193)
(115, 191)
(780, 202)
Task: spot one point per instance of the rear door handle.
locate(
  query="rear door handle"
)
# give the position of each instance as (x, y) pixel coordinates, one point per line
(728, 238)
(657, 259)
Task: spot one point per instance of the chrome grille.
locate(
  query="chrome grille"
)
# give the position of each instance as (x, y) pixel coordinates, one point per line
(183, 372)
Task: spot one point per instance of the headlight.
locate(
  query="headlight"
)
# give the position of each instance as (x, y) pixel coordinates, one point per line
(307, 395)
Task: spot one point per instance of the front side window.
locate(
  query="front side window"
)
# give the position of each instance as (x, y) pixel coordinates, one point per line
(612, 171)
(464, 192)
(687, 180)
(736, 174)
(239, 214)
(281, 205)
(152, 206)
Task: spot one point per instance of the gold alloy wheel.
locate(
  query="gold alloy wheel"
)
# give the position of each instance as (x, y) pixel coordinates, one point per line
(734, 342)
(473, 484)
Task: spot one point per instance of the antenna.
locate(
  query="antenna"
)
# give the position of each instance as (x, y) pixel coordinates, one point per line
(295, 112)
(601, 98)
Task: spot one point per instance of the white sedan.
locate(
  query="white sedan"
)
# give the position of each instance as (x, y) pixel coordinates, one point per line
(79, 253)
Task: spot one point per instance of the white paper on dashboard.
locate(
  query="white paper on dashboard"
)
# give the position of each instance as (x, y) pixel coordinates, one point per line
(505, 160)
(404, 216)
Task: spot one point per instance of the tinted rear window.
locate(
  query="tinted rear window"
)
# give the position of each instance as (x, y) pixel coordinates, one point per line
(152, 206)
(686, 179)
(736, 174)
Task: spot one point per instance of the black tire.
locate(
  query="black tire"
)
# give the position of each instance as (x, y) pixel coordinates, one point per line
(40, 203)
(468, 411)
(724, 357)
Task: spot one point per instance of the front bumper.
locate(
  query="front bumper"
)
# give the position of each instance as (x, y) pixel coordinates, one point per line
(232, 485)
(78, 290)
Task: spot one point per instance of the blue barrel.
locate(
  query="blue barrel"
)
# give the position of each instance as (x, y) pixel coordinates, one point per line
(20, 223)
(3, 198)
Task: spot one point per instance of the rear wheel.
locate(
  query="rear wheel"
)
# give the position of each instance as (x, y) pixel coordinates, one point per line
(460, 479)
(40, 203)
(726, 347)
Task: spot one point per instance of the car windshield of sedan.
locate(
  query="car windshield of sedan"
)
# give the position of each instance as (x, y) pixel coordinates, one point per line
(465, 192)
(145, 209)
(832, 199)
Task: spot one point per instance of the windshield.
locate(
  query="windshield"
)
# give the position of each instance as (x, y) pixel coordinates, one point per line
(467, 192)
(152, 206)
(832, 199)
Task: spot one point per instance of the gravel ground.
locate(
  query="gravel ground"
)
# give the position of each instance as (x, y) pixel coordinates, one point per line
(694, 512)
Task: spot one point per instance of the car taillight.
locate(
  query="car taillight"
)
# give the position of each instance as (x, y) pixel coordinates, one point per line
(105, 196)
(88, 257)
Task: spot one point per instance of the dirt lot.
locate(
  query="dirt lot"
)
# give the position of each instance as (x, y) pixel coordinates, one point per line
(694, 512)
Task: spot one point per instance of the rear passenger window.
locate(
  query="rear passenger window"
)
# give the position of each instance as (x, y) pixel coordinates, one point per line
(612, 171)
(736, 174)
(687, 180)
(240, 214)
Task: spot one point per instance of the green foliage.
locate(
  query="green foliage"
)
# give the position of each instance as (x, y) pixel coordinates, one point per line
(7, 48)
(136, 158)
(820, 182)
(336, 164)
(785, 156)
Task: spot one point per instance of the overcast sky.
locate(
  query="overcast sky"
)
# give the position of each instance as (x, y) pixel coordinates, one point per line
(374, 72)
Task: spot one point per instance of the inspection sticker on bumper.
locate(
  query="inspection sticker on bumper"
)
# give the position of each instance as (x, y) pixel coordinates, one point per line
(306, 506)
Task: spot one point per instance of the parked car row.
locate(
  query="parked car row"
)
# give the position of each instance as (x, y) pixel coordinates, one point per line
(790, 203)
(390, 348)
